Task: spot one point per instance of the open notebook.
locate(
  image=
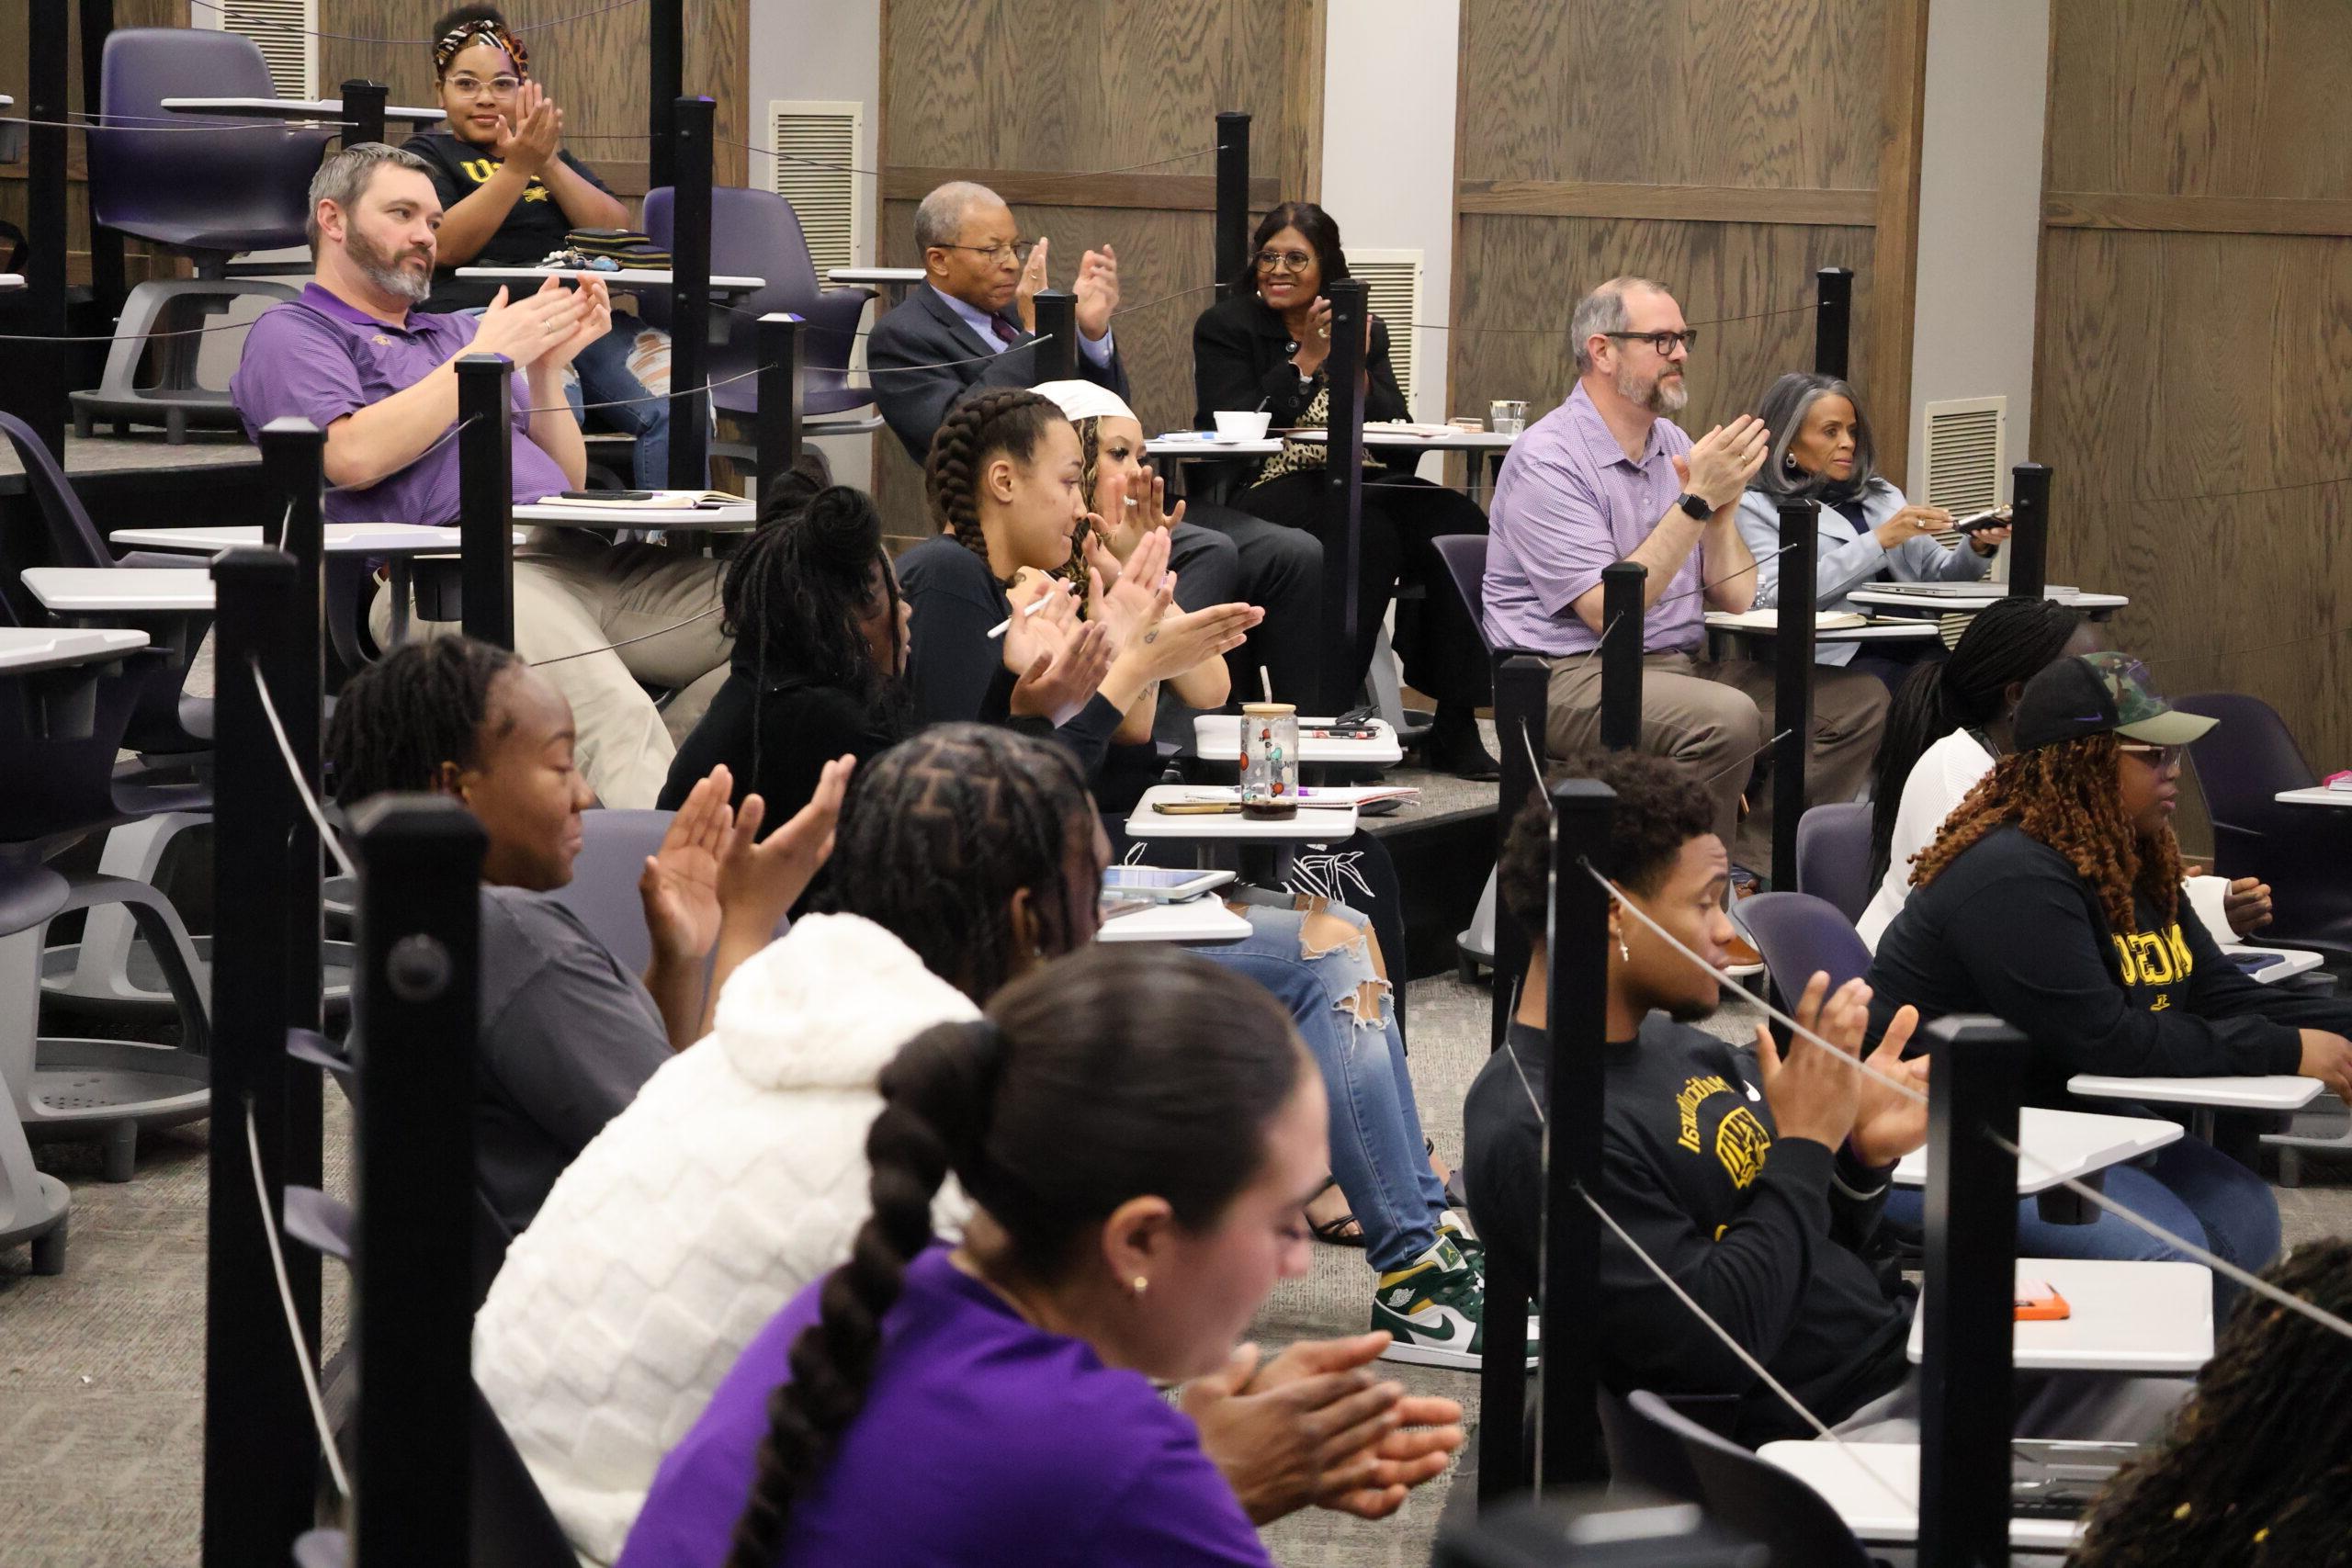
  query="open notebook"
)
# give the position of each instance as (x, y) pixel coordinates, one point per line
(646, 499)
(1770, 620)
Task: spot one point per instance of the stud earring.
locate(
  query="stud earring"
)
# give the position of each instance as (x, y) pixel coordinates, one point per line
(1141, 1284)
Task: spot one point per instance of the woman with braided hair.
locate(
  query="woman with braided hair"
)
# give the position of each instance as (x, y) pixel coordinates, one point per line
(2051, 899)
(2254, 1471)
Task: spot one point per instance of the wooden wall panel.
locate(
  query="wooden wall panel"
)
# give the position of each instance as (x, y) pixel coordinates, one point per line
(2195, 340)
(1727, 148)
(1016, 92)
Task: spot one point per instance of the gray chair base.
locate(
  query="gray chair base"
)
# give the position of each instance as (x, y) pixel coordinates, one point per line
(1474, 949)
(177, 402)
(32, 1206)
(2304, 1139)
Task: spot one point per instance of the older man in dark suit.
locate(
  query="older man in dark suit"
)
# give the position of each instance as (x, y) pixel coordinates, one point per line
(974, 324)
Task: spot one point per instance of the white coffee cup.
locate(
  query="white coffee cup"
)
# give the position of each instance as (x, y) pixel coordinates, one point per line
(1243, 425)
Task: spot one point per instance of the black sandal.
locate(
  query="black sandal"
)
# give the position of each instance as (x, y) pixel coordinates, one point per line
(1335, 1232)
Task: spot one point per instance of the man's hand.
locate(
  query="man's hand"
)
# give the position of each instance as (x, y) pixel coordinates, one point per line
(1889, 1124)
(1313, 1427)
(1097, 291)
(1812, 1095)
(760, 881)
(680, 884)
(2328, 1057)
(1024, 293)
(1911, 523)
(527, 330)
(1721, 462)
(527, 143)
(593, 319)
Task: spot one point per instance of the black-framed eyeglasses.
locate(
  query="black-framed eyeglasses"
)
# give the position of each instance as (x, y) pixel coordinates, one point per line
(2161, 758)
(1662, 341)
(1018, 250)
(1283, 261)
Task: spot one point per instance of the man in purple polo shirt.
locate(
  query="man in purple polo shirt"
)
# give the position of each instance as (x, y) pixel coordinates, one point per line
(1607, 477)
(355, 358)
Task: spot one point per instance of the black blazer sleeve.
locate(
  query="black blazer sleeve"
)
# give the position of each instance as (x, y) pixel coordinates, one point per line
(1234, 367)
(1383, 399)
(910, 355)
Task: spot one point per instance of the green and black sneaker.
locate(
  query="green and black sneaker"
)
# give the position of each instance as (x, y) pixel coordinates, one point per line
(1433, 1309)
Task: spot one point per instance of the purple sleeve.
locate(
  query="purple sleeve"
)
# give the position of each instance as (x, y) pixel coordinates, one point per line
(1178, 1513)
(294, 366)
(1559, 532)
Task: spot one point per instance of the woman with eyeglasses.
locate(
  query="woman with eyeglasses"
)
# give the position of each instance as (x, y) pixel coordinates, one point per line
(2051, 899)
(1264, 348)
(510, 195)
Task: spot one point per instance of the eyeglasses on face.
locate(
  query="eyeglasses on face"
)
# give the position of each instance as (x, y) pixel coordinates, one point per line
(1018, 250)
(1662, 341)
(499, 86)
(2161, 758)
(1283, 261)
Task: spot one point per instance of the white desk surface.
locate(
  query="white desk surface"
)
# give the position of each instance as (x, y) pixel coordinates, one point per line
(342, 539)
(1194, 919)
(295, 108)
(97, 590)
(2289, 960)
(2069, 1143)
(2318, 794)
(1835, 1470)
(1194, 444)
(2128, 1318)
(627, 280)
(1217, 736)
(2276, 1091)
(1313, 825)
(713, 519)
(858, 275)
(1948, 603)
(24, 650)
(1917, 631)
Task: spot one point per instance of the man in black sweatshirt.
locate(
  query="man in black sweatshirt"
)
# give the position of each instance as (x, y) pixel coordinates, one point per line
(1754, 1181)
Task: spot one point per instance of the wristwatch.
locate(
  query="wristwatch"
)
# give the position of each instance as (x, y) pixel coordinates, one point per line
(1697, 509)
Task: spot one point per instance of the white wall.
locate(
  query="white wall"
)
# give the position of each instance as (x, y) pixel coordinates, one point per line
(1388, 104)
(1980, 205)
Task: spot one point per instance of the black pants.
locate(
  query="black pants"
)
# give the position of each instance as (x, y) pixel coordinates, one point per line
(1442, 652)
(1221, 555)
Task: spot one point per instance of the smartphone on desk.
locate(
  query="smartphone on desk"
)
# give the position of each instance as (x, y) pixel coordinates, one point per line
(2038, 1301)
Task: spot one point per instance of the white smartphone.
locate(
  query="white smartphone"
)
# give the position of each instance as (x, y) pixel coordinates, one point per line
(1161, 884)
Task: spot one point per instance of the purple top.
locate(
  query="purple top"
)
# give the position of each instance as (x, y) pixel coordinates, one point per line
(319, 358)
(1567, 503)
(982, 1440)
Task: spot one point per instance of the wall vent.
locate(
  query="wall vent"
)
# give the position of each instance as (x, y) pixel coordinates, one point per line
(1965, 468)
(285, 31)
(818, 142)
(1392, 281)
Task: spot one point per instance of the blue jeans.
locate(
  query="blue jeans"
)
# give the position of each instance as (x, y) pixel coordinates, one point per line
(604, 377)
(2189, 1188)
(1341, 1006)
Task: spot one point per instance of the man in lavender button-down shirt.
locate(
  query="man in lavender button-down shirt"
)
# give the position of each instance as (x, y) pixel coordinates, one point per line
(1605, 478)
(355, 358)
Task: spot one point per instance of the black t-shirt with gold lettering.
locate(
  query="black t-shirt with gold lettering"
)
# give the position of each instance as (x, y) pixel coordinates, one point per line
(533, 226)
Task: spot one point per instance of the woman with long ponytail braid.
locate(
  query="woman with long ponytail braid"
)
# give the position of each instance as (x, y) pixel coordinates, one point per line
(1140, 1130)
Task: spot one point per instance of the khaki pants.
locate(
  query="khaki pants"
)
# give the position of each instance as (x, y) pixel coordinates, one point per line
(1714, 717)
(573, 593)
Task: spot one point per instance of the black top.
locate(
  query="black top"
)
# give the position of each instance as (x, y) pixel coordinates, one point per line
(533, 226)
(776, 741)
(2009, 928)
(1765, 1235)
(1241, 360)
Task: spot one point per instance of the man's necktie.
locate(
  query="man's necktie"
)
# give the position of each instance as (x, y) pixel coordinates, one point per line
(1006, 333)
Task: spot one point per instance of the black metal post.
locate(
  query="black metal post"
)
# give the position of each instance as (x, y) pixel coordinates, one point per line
(690, 294)
(1833, 314)
(41, 368)
(2029, 530)
(1972, 1248)
(411, 1313)
(109, 287)
(1622, 586)
(778, 432)
(1232, 242)
(260, 1459)
(666, 63)
(1568, 1440)
(363, 111)
(1792, 682)
(1522, 702)
(1343, 494)
(1503, 1465)
(486, 497)
(1056, 329)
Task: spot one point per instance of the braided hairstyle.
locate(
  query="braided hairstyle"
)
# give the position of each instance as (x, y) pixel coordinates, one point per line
(2009, 643)
(1009, 420)
(940, 832)
(420, 705)
(2254, 1468)
(2066, 796)
(1114, 1074)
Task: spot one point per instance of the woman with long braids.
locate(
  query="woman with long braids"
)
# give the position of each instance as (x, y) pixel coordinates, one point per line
(2256, 1468)
(2051, 898)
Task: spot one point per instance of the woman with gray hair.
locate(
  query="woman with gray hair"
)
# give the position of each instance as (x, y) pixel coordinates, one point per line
(1822, 449)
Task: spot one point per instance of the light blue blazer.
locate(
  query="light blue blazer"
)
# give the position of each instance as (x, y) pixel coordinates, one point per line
(1850, 558)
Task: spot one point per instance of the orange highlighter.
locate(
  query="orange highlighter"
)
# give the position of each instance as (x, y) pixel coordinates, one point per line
(2039, 1301)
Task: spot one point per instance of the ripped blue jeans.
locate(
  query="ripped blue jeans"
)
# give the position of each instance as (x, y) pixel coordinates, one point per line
(1319, 967)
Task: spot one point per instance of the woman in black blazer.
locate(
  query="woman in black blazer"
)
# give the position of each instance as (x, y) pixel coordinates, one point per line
(1264, 347)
